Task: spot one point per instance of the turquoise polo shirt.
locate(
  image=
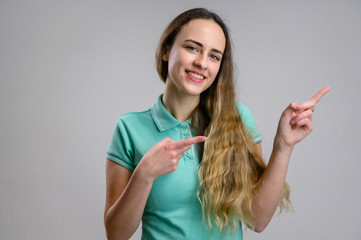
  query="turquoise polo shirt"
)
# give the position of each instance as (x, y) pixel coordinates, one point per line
(172, 210)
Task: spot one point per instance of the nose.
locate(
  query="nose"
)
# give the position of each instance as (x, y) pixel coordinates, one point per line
(201, 61)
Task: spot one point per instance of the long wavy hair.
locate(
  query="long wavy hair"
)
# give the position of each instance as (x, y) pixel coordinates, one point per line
(230, 167)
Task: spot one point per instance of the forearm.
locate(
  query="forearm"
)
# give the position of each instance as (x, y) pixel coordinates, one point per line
(295, 124)
(123, 218)
(272, 182)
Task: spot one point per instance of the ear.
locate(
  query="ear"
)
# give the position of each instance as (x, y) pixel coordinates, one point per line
(165, 55)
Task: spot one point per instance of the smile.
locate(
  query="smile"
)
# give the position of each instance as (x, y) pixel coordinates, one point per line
(195, 75)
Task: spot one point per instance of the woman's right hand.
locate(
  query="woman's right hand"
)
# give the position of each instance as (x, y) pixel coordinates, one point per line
(164, 156)
(127, 192)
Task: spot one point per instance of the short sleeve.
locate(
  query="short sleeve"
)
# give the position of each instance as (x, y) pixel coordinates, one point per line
(121, 148)
(249, 121)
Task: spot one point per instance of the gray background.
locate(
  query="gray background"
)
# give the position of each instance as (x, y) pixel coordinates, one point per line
(69, 68)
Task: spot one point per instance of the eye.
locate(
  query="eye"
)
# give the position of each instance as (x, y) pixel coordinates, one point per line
(215, 57)
(192, 49)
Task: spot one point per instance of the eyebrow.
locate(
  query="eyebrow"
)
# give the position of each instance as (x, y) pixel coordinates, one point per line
(201, 45)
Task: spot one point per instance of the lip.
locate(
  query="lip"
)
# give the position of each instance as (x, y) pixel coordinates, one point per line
(195, 79)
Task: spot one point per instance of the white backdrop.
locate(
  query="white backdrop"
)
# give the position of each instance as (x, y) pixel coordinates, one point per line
(69, 68)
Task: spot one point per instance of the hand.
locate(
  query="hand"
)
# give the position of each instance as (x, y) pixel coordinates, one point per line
(296, 121)
(164, 156)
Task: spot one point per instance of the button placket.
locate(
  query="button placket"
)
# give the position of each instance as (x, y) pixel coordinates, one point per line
(186, 134)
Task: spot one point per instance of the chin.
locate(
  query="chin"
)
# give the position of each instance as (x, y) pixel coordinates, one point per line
(194, 92)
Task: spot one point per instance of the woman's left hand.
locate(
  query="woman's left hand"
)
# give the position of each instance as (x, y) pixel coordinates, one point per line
(296, 122)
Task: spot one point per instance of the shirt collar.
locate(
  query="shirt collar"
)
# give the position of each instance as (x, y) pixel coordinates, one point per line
(162, 118)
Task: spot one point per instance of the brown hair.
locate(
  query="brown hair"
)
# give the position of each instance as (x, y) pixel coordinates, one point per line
(230, 168)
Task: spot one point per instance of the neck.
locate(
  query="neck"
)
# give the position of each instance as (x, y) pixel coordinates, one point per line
(180, 105)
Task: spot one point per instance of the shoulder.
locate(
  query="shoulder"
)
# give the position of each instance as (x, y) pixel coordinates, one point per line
(132, 117)
(249, 121)
(134, 121)
(243, 110)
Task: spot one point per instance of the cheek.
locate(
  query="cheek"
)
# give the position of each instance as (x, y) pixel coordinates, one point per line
(183, 58)
(177, 58)
(214, 68)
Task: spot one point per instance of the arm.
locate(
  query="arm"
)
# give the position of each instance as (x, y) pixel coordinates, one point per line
(269, 194)
(127, 193)
(295, 124)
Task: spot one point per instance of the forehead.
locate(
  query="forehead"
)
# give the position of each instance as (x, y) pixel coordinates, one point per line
(205, 31)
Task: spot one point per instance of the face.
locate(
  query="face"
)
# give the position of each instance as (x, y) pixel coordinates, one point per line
(195, 57)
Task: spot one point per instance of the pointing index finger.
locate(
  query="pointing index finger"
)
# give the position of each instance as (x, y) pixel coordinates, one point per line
(310, 104)
(189, 141)
(320, 94)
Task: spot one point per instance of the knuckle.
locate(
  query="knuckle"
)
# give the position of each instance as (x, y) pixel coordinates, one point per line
(168, 147)
(173, 155)
(293, 105)
(168, 140)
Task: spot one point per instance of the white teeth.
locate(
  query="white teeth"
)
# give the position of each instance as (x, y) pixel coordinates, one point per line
(196, 75)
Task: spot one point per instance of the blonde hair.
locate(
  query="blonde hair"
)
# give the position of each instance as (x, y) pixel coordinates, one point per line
(230, 168)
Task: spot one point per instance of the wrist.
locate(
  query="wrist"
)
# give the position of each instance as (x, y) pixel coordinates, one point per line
(281, 152)
(282, 146)
(142, 174)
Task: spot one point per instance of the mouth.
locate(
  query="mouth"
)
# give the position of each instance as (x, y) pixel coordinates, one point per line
(197, 77)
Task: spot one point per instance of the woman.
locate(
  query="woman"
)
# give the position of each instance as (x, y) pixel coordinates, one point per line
(161, 168)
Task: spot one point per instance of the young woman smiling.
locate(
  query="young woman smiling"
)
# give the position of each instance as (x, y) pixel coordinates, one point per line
(191, 166)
